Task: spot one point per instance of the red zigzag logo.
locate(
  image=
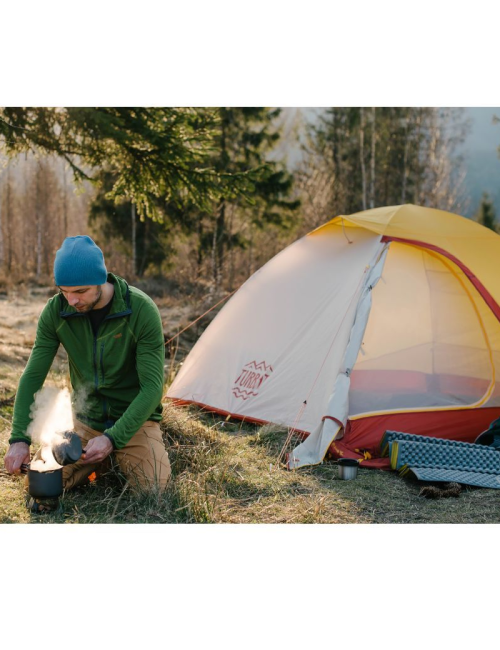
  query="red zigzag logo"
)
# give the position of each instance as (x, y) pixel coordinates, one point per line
(250, 379)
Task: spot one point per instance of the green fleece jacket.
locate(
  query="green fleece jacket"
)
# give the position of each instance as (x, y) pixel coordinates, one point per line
(117, 375)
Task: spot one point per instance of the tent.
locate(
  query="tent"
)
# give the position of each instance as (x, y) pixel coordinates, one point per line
(386, 319)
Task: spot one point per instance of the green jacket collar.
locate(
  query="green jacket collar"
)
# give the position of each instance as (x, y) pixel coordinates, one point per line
(121, 301)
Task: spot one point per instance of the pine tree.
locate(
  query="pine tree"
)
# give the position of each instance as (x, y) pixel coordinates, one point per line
(485, 214)
(152, 152)
(245, 139)
(153, 241)
(163, 171)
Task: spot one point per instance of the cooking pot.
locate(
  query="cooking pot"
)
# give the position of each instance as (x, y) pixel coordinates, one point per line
(69, 450)
(49, 484)
(348, 468)
(44, 485)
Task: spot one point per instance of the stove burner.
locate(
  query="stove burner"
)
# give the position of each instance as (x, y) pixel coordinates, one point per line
(44, 506)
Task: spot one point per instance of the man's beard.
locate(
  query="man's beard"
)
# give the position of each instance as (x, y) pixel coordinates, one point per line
(93, 304)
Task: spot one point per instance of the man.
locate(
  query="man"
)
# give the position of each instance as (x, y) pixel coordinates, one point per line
(113, 336)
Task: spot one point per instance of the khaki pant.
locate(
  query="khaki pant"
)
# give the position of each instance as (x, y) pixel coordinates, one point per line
(144, 460)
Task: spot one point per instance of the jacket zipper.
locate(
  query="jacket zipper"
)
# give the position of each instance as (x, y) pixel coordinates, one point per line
(105, 407)
(96, 377)
(102, 360)
(96, 371)
(104, 401)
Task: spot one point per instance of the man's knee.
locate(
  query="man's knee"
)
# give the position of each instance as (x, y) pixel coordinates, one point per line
(144, 460)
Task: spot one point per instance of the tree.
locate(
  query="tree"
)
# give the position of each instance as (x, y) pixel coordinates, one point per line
(242, 140)
(245, 139)
(33, 216)
(485, 214)
(153, 153)
(385, 156)
(144, 241)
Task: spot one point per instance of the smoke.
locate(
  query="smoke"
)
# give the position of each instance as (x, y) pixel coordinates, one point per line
(51, 415)
(80, 399)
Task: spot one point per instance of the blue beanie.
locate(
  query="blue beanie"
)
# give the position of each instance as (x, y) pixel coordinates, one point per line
(79, 262)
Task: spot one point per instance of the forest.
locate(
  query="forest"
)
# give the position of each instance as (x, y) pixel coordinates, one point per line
(204, 197)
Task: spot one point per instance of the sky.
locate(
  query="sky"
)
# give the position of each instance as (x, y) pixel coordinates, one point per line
(481, 158)
(484, 134)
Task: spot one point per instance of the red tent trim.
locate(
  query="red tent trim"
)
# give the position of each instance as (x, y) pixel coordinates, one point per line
(362, 436)
(237, 416)
(488, 298)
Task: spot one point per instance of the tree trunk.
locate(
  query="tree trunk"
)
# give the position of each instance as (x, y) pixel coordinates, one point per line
(214, 256)
(8, 220)
(144, 248)
(65, 202)
(38, 219)
(362, 157)
(372, 163)
(134, 236)
(220, 223)
(219, 237)
(200, 251)
(405, 160)
(338, 167)
(231, 252)
(48, 191)
(418, 175)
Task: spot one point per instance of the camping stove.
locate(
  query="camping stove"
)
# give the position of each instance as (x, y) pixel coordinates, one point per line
(45, 488)
(44, 506)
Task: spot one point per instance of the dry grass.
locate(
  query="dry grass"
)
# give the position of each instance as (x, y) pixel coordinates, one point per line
(226, 472)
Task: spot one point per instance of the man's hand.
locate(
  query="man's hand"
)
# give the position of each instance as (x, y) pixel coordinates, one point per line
(19, 453)
(97, 449)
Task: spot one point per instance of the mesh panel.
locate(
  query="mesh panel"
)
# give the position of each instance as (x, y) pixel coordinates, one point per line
(431, 341)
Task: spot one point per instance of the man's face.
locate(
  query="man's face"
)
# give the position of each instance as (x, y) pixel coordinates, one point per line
(83, 299)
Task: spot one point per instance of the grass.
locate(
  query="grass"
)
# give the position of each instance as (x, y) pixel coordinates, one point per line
(227, 472)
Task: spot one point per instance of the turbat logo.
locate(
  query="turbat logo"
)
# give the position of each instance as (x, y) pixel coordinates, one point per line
(250, 379)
